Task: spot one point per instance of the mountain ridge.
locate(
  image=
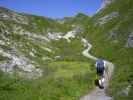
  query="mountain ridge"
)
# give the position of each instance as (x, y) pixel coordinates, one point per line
(44, 51)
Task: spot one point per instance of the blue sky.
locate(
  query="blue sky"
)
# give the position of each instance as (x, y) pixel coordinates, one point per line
(53, 8)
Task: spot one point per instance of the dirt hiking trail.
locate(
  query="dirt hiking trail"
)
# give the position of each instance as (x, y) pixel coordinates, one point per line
(97, 93)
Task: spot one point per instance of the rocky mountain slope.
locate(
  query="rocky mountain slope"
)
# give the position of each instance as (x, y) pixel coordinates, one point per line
(37, 53)
(25, 38)
(33, 50)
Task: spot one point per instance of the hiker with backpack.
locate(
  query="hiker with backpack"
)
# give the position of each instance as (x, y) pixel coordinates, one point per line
(100, 68)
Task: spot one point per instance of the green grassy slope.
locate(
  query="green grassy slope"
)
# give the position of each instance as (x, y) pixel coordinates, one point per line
(114, 49)
(56, 84)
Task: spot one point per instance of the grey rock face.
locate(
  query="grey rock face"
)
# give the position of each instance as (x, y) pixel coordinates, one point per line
(3, 29)
(105, 3)
(12, 16)
(130, 41)
(19, 62)
(67, 36)
(19, 30)
(107, 18)
(54, 36)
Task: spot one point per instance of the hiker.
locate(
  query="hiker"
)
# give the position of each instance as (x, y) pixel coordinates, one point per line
(100, 67)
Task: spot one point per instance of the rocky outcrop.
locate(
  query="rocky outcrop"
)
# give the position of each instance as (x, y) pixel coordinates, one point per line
(6, 14)
(54, 36)
(58, 36)
(19, 62)
(67, 36)
(107, 18)
(70, 34)
(20, 31)
(105, 3)
(130, 41)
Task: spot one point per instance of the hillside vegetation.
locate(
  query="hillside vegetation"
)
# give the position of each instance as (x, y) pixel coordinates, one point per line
(109, 37)
(41, 58)
(36, 64)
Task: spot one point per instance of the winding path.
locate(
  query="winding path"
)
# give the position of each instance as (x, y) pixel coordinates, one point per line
(97, 93)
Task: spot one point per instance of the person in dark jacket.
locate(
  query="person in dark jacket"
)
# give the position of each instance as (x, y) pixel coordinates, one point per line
(100, 68)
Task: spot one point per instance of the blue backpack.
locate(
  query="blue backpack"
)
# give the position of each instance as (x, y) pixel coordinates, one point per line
(100, 65)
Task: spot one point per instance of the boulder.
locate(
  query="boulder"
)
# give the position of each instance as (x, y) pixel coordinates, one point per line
(130, 41)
